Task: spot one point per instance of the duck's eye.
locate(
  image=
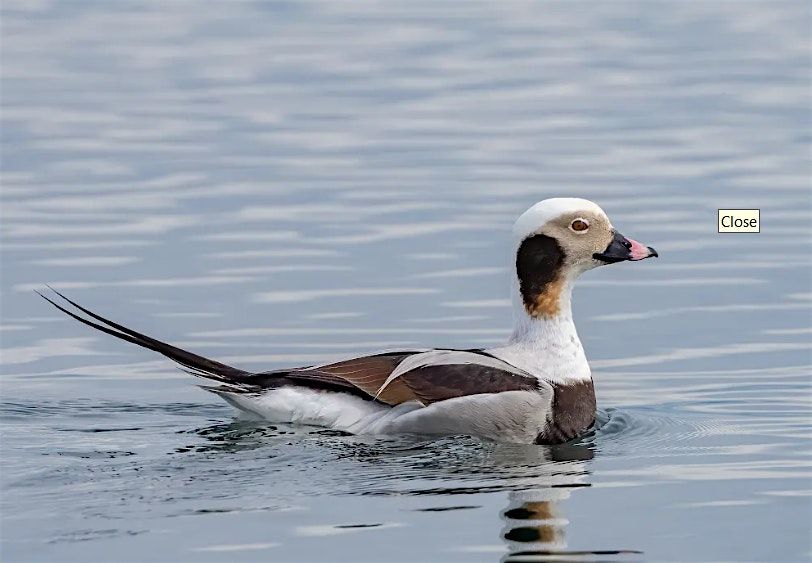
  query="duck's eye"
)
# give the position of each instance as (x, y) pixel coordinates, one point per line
(579, 225)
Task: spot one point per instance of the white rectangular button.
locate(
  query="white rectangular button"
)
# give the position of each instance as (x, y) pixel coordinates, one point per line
(739, 221)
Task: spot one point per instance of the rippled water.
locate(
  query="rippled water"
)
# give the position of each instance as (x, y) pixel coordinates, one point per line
(282, 183)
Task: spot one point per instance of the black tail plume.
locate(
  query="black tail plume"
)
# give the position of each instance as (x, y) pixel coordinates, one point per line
(194, 364)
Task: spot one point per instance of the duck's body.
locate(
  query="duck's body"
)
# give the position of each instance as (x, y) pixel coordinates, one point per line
(446, 392)
(535, 389)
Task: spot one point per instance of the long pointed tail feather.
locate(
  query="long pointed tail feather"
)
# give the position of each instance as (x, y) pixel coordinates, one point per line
(193, 363)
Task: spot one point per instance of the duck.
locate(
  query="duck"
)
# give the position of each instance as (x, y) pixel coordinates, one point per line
(536, 388)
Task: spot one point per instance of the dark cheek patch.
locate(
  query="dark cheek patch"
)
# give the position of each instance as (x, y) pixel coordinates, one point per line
(538, 265)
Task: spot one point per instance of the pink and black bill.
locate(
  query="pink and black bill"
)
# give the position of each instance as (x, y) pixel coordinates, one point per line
(622, 248)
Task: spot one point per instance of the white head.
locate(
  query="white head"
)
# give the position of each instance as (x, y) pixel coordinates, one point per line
(558, 239)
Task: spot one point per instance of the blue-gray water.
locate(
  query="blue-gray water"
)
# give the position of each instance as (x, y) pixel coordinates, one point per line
(274, 184)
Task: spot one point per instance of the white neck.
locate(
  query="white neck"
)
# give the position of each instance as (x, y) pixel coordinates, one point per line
(547, 347)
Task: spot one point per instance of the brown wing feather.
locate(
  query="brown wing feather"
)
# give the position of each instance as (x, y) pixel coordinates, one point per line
(367, 374)
(427, 384)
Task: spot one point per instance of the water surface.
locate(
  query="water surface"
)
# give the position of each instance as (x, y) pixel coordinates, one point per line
(272, 184)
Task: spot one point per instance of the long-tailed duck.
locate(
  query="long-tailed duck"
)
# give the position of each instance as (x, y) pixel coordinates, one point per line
(537, 388)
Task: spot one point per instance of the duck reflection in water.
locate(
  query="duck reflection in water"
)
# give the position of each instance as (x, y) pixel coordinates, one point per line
(534, 522)
(534, 525)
